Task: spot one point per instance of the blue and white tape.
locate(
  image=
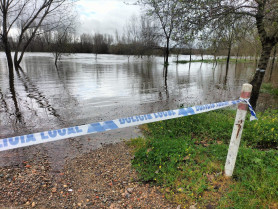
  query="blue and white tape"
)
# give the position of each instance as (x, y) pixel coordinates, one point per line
(54, 135)
(253, 114)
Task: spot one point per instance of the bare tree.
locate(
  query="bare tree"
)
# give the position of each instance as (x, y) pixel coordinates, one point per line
(202, 44)
(142, 35)
(101, 43)
(167, 12)
(230, 31)
(263, 12)
(60, 44)
(86, 43)
(28, 17)
(150, 36)
(250, 44)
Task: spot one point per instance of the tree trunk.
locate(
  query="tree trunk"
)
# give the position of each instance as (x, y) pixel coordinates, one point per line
(166, 72)
(17, 60)
(13, 93)
(260, 72)
(16, 63)
(9, 59)
(215, 59)
(167, 50)
(228, 56)
(56, 61)
(237, 54)
(164, 56)
(6, 44)
(272, 64)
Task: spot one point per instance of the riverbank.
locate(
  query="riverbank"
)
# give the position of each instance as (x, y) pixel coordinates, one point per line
(186, 157)
(221, 60)
(180, 165)
(100, 179)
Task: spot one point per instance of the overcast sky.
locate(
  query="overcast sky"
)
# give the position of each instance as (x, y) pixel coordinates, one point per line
(104, 16)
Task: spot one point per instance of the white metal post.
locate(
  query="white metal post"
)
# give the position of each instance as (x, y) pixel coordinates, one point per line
(237, 130)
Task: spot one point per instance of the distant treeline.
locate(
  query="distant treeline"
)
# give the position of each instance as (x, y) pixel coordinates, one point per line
(141, 36)
(102, 44)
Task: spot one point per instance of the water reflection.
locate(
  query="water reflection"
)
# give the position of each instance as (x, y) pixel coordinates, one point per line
(17, 114)
(165, 69)
(33, 93)
(83, 90)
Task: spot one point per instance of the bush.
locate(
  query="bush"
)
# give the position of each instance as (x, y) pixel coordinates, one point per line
(262, 133)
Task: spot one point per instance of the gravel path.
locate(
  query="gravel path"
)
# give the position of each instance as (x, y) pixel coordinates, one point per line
(100, 179)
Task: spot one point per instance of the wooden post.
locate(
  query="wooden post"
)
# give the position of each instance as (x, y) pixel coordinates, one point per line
(237, 130)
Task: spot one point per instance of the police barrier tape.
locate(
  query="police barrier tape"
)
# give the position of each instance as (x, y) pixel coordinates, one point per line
(54, 135)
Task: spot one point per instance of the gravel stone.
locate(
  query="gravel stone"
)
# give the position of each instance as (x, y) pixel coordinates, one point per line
(102, 178)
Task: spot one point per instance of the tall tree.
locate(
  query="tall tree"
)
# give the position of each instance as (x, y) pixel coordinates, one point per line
(230, 30)
(60, 43)
(202, 44)
(167, 12)
(264, 13)
(86, 43)
(101, 43)
(142, 35)
(27, 18)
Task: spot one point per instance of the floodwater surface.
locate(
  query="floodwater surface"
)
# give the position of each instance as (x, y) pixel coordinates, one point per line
(85, 90)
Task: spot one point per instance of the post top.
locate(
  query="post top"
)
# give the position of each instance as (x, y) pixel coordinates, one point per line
(247, 87)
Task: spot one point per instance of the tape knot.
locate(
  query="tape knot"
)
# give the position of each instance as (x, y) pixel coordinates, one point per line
(253, 114)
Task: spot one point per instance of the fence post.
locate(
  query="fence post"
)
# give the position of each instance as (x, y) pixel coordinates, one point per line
(237, 130)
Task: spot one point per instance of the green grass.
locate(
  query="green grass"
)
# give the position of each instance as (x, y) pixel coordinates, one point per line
(269, 89)
(241, 60)
(187, 61)
(218, 60)
(186, 156)
(217, 126)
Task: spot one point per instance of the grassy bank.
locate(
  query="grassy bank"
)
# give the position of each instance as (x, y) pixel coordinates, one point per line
(269, 89)
(187, 156)
(218, 60)
(187, 61)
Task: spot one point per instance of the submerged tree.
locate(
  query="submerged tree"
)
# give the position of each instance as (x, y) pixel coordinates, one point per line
(167, 12)
(101, 43)
(28, 18)
(60, 45)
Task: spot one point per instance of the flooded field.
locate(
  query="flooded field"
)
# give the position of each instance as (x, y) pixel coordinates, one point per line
(86, 90)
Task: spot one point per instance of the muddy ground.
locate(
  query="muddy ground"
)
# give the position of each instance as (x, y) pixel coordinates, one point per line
(99, 179)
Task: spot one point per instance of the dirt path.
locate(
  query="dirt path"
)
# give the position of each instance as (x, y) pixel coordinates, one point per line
(100, 179)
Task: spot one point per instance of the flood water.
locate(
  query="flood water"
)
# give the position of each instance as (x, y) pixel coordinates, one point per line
(86, 90)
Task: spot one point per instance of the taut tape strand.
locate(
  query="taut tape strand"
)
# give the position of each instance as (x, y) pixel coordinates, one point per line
(55, 135)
